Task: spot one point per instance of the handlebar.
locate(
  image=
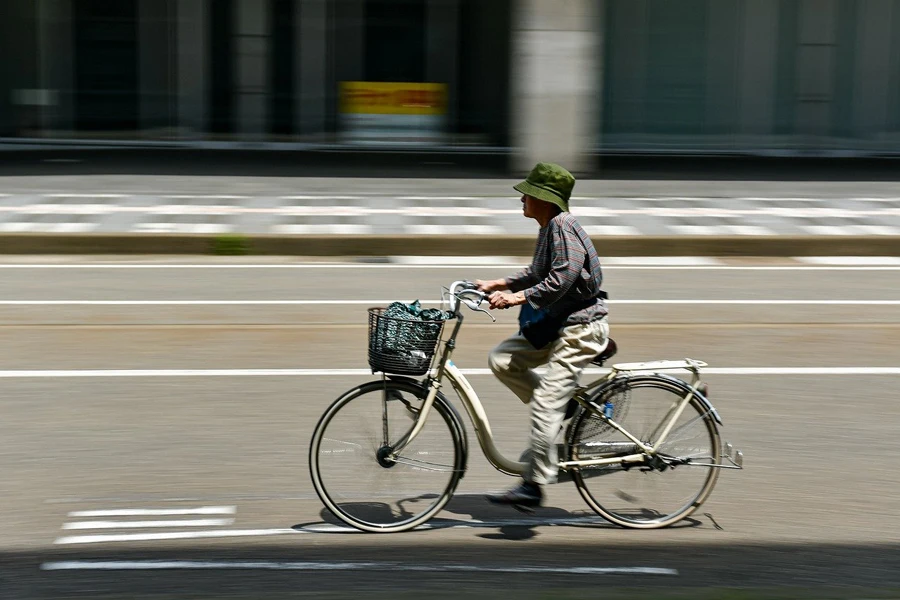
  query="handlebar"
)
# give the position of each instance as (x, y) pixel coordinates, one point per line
(467, 293)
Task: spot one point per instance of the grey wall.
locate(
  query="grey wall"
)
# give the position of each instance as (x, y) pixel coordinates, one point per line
(816, 76)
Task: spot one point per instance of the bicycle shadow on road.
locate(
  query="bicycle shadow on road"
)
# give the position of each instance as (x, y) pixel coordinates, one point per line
(506, 521)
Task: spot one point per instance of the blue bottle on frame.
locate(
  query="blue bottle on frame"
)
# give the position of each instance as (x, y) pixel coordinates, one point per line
(608, 409)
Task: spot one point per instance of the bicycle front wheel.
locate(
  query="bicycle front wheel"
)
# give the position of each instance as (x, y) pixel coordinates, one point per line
(645, 496)
(353, 468)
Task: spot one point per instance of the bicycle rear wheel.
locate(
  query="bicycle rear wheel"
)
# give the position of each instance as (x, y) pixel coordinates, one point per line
(350, 464)
(641, 496)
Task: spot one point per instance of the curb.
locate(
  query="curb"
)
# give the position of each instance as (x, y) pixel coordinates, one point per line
(439, 245)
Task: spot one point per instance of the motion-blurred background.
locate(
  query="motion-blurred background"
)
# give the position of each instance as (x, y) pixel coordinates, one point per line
(570, 79)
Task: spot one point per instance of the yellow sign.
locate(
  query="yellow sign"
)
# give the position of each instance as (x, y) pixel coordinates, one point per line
(378, 98)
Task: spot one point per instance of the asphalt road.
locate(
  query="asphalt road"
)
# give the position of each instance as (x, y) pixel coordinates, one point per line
(153, 403)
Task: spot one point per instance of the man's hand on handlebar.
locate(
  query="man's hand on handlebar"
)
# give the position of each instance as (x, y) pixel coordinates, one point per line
(506, 299)
(491, 285)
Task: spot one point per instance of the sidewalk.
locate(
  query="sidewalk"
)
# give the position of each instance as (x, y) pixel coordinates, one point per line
(101, 202)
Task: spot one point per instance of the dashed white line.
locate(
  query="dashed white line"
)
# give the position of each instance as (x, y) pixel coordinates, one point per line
(96, 565)
(611, 230)
(89, 195)
(182, 228)
(23, 226)
(155, 512)
(174, 535)
(146, 524)
(320, 229)
(851, 230)
(849, 260)
(204, 197)
(453, 229)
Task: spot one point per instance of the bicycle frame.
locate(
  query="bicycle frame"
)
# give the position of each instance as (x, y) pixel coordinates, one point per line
(482, 427)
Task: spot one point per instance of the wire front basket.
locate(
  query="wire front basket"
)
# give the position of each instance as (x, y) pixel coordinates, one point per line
(400, 346)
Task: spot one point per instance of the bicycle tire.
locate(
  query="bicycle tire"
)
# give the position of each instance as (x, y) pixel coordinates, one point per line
(618, 505)
(379, 514)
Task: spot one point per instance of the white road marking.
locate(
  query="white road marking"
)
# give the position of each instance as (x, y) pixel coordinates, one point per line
(611, 230)
(203, 196)
(147, 524)
(78, 373)
(748, 230)
(321, 528)
(382, 302)
(320, 229)
(22, 226)
(142, 565)
(458, 261)
(463, 198)
(658, 261)
(697, 229)
(175, 535)
(66, 209)
(181, 228)
(849, 260)
(878, 230)
(155, 512)
(851, 230)
(88, 195)
(453, 229)
(323, 197)
(693, 212)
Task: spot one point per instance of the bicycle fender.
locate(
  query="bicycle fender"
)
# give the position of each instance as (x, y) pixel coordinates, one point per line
(680, 383)
(687, 388)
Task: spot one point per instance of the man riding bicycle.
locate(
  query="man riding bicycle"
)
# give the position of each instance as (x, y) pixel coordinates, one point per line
(563, 322)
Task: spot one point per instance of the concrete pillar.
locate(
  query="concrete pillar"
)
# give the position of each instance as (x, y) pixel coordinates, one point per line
(310, 68)
(155, 30)
(873, 75)
(555, 69)
(441, 42)
(193, 78)
(253, 33)
(758, 68)
(56, 49)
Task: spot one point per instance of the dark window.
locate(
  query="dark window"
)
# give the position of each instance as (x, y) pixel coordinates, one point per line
(395, 40)
(221, 57)
(106, 78)
(282, 67)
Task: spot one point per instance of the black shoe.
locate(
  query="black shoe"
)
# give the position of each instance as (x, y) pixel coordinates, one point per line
(525, 495)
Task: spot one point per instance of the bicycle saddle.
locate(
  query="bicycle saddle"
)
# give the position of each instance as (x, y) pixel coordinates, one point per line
(607, 353)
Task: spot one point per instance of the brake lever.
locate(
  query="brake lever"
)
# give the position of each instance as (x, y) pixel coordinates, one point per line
(479, 309)
(471, 304)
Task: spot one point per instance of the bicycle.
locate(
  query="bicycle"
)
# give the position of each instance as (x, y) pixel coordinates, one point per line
(636, 434)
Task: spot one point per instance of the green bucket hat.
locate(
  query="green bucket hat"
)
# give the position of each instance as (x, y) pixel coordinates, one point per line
(550, 183)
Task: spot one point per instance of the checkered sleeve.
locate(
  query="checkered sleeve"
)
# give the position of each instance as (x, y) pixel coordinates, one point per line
(521, 280)
(567, 256)
(528, 276)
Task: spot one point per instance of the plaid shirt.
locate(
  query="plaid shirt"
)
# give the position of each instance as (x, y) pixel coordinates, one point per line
(564, 273)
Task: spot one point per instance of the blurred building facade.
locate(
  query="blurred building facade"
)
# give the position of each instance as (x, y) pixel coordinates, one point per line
(559, 79)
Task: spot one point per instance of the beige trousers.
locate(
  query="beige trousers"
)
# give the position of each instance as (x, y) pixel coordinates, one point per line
(513, 362)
